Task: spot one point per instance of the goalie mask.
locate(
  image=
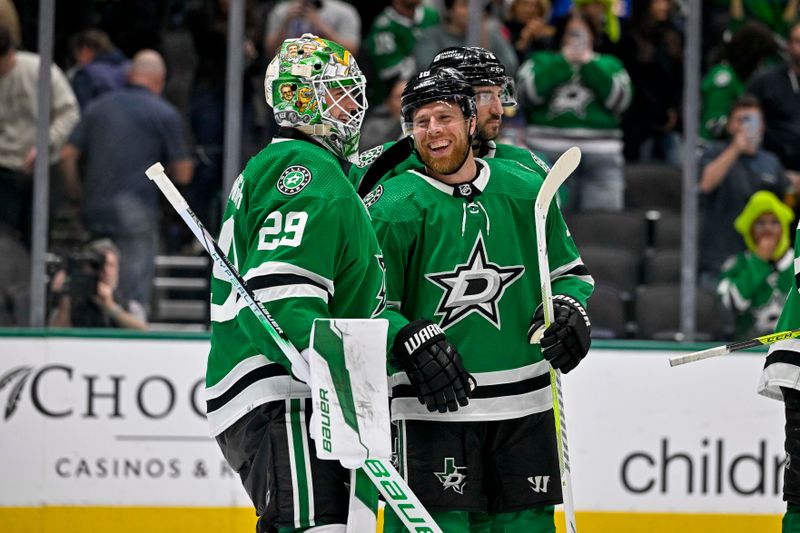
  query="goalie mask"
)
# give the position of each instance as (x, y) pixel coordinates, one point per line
(480, 67)
(315, 85)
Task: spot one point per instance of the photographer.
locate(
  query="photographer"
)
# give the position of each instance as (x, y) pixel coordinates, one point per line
(84, 291)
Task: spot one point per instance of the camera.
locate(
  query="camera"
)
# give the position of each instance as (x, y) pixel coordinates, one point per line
(83, 274)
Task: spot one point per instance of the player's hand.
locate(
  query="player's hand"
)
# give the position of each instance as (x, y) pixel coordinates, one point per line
(433, 366)
(566, 341)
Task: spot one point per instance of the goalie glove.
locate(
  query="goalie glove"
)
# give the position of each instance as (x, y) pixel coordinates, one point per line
(566, 341)
(433, 366)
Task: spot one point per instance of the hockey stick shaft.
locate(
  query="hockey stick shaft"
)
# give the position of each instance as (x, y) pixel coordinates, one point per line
(382, 474)
(559, 172)
(299, 365)
(764, 340)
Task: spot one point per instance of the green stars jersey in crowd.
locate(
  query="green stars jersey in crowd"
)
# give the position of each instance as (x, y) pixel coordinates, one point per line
(390, 46)
(589, 97)
(302, 240)
(466, 257)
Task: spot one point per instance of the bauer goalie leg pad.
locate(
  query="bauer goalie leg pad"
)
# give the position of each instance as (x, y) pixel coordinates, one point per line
(350, 421)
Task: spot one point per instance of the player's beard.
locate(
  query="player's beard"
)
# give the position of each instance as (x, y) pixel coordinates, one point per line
(490, 129)
(449, 164)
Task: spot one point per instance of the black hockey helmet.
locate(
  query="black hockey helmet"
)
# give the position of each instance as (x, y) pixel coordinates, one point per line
(434, 85)
(480, 67)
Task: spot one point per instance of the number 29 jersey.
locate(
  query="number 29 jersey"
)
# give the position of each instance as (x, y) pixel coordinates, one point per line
(302, 240)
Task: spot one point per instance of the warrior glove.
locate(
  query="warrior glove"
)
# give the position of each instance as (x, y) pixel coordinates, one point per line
(433, 366)
(566, 341)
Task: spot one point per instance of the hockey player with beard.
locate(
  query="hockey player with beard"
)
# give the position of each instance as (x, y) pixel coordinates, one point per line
(779, 381)
(494, 91)
(301, 238)
(459, 248)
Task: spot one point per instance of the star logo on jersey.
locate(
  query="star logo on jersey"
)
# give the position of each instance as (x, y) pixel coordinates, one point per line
(375, 195)
(293, 180)
(451, 477)
(571, 97)
(369, 156)
(474, 287)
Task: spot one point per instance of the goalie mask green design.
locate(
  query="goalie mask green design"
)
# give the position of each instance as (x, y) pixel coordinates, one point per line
(315, 85)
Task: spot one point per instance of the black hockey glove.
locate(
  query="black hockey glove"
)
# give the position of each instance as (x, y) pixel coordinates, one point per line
(433, 366)
(567, 339)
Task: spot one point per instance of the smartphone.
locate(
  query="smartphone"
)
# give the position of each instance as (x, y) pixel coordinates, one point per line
(752, 125)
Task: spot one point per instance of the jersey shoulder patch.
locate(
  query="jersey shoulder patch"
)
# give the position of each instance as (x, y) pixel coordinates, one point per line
(293, 180)
(373, 196)
(368, 157)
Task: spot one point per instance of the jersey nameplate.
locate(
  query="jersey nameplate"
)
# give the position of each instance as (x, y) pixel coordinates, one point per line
(293, 180)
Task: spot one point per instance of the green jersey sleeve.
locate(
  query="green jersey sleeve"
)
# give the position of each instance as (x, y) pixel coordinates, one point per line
(782, 367)
(609, 80)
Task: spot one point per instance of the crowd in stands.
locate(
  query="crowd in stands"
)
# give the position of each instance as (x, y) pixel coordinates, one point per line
(139, 82)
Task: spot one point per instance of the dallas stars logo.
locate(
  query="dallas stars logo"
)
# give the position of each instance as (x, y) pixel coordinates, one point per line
(293, 180)
(474, 287)
(571, 97)
(451, 478)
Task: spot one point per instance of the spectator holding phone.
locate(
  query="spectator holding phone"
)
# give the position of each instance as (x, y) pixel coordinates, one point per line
(330, 19)
(731, 173)
(574, 95)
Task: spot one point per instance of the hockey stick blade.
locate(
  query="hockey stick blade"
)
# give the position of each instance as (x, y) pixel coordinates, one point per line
(559, 172)
(717, 351)
(383, 475)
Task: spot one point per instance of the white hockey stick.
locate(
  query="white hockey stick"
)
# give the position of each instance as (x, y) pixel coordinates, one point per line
(764, 340)
(386, 479)
(559, 172)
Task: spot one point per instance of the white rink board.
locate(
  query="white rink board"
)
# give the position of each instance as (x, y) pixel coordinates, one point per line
(137, 439)
(630, 405)
(105, 422)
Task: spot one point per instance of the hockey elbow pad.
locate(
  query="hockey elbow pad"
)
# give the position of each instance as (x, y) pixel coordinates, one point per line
(566, 341)
(433, 366)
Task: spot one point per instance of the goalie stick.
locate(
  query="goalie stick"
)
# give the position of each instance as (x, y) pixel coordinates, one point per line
(764, 340)
(559, 172)
(382, 474)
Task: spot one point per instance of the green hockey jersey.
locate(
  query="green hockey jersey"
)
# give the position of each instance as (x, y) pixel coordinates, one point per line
(586, 101)
(411, 162)
(720, 88)
(782, 367)
(390, 46)
(466, 258)
(755, 290)
(302, 240)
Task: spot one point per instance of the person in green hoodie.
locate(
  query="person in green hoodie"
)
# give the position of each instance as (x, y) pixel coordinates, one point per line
(753, 284)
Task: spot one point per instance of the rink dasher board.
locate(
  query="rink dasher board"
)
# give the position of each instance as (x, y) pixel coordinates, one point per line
(116, 423)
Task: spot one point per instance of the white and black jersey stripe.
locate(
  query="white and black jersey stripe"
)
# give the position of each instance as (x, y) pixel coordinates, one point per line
(499, 395)
(575, 269)
(276, 280)
(252, 382)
